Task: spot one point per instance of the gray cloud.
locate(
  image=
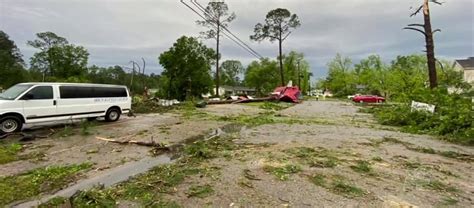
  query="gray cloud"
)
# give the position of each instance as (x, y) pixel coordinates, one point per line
(117, 31)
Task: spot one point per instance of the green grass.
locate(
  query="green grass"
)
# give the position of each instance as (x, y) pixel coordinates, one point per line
(448, 201)
(87, 127)
(362, 167)
(337, 184)
(148, 189)
(200, 191)
(9, 152)
(377, 159)
(437, 186)
(322, 158)
(347, 189)
(282, 173)
(38, 181)
(54, 202)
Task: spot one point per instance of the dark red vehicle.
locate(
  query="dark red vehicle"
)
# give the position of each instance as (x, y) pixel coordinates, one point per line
(368, 99)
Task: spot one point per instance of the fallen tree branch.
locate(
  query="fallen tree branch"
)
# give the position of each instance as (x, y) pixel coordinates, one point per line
(152, 143)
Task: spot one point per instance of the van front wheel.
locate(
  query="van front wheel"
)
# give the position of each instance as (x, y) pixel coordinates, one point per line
(112, 114)
(10, 124)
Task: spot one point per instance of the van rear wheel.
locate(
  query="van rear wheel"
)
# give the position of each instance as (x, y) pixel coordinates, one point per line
(10, 124)
(112, 114)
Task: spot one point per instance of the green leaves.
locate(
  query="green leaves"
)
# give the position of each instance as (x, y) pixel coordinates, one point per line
(187, 65)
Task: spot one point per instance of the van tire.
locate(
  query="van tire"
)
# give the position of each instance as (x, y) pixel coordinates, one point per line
(10, 124)
(113, 114)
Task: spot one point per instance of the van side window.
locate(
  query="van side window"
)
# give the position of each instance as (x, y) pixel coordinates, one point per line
(40, 93)
(71, 92)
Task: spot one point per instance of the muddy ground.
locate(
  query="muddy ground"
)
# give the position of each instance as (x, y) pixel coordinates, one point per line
(332, 156)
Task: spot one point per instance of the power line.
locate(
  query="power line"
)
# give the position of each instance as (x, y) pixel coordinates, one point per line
(225, 34)
(225, 28)
(230, 38)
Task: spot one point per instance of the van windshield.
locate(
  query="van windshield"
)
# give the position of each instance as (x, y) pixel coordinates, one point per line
(15, 91)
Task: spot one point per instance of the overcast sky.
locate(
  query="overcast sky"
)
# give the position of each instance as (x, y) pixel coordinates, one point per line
(117, 31)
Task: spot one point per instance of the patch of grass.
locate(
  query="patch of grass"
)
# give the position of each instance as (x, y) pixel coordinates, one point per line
(282, 173)
(9, 152)
(322, 158)
(200, 191)
(209, 149)
(54, 202)
(437, 186)
(426, 150)
(377, 159)
(66, 132)
(276, 106)
(87, 126)
(318, 180)
(362, 166)
(448, 201)
(412, 165)
(337, 184)
(346, 189)
(37, 181)
(142, 132)
(377, 143)
(96, 197)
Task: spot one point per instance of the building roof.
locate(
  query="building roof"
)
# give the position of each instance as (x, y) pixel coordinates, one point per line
(467, 64)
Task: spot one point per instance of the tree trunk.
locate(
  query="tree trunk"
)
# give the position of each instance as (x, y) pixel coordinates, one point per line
(281, 62)
(430, 46)
(217, 59)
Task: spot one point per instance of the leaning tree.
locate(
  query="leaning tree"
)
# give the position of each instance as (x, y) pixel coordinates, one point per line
(426, 30)
(277, 27)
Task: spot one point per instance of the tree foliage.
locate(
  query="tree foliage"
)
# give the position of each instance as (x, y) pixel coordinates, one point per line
(262, 75)
(277, 27)
(11, 62)
(188, 67)
(231, 69)
(398, 80)
(57, 58)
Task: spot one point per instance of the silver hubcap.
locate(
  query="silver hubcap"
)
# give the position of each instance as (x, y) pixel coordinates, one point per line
(9, 126)
(113, 115)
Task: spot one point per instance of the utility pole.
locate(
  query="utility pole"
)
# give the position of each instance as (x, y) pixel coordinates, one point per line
(299, 74)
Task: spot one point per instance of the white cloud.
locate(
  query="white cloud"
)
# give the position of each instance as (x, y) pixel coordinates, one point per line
(117, 31)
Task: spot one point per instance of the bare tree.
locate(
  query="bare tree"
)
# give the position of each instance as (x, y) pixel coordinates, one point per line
(428, 33)
(217, 17)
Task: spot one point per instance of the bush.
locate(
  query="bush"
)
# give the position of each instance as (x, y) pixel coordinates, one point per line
(453, 117)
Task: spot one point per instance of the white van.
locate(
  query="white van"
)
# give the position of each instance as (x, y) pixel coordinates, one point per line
(27, 103)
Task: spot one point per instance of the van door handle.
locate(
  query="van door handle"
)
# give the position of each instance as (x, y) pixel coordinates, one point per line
(54, 102)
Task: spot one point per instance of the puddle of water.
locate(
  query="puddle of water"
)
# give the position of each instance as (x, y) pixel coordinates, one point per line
(124, 172)
(112, 177)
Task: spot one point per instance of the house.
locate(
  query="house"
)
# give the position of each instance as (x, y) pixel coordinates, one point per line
(235, 90)
(467, 66)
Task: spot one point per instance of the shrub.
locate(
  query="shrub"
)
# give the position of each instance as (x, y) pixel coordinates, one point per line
(453, 117)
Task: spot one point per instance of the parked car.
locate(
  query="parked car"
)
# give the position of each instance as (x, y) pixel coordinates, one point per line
(45, 102)
(368, 99)
(350, 97)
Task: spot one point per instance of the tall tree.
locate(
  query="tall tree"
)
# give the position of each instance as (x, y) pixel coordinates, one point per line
(230, 72)
(58, 58)
(11, 62)
(217, 18)
(262, 75)
(188, 68)
(277, 27)
(428, 33)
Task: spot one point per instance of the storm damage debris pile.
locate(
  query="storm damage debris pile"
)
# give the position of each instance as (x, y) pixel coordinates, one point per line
(291, 94)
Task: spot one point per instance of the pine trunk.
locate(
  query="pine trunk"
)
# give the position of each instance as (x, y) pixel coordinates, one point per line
(430, 46)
